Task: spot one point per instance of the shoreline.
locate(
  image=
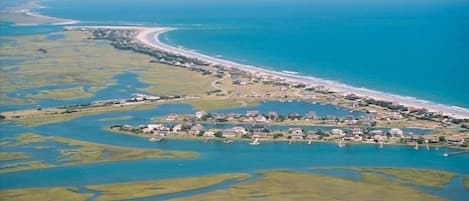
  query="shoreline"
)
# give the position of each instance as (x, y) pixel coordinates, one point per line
(150, 37)
(24, 15)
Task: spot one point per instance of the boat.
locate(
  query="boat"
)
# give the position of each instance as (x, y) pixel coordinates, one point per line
(381, 143)
(255, 142)
(309, 142)
(416, 146)
(340, 144)
(227, 141)
(154, 139)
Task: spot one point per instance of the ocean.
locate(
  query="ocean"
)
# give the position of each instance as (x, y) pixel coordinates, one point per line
(412, 48)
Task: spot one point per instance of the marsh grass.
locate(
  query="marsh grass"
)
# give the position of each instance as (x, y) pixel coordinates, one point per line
(125, 191)
(4, 156)
(82, 152)
(39, 194)
(286, 186)
(430, 178)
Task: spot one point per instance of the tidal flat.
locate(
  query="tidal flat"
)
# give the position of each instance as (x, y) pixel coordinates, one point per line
(74, 60)
(124, 191)
(287, 185)
(13, 156)
(79, 152)
(43, 194)
(430, 178)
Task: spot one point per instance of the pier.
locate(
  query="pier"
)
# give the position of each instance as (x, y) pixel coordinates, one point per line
(456, 153)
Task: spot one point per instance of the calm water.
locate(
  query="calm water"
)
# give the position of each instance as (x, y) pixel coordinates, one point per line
(382, 46)
(405, 47)
(216, 157)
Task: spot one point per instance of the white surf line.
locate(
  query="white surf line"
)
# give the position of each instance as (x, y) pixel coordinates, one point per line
(149, 36)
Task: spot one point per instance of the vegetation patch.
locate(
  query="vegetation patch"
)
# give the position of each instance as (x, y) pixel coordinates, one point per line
(4, 156)
(83, 152)
(49, 194)
(285, 185)
(124, 191)
(31, 165)
(431, 178)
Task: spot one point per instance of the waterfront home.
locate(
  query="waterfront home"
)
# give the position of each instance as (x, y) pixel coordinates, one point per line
(337, 131)
(196, 129)
(259, 133)
(296, 133)
(172, 117)
(272, 116)
(260, 119)
(200, 114)
(294, 116)
(313, 136)
(209, 134)
(252, 113)
(154, 126)
(233, 132)
(393, 116)
(432, 139)
(219, 117)
(126, 128)
(455, 140)
(377, 132)
(409, 138)
(177, 128)
(396, 132)
(310, 116)
(233, 116)
(379, 138)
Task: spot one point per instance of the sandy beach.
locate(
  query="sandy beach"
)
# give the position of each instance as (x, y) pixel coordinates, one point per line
(149, 36)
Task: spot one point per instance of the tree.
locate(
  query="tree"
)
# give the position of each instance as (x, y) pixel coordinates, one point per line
(441, 139)
(219, 134)
(277, 135)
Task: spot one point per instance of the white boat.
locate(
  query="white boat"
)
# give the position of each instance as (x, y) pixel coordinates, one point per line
(309, 142)
(416, 146)
(227, 141)
(154, 139)
(255, 142)
(340, 144)
(381, 143)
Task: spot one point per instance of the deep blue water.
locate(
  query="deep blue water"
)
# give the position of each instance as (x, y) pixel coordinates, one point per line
(412, 48)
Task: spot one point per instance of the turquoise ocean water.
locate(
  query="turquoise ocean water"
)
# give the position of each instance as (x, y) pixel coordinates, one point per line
(411, 48)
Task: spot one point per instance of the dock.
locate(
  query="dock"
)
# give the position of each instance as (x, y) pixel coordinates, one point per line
(456, 153)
